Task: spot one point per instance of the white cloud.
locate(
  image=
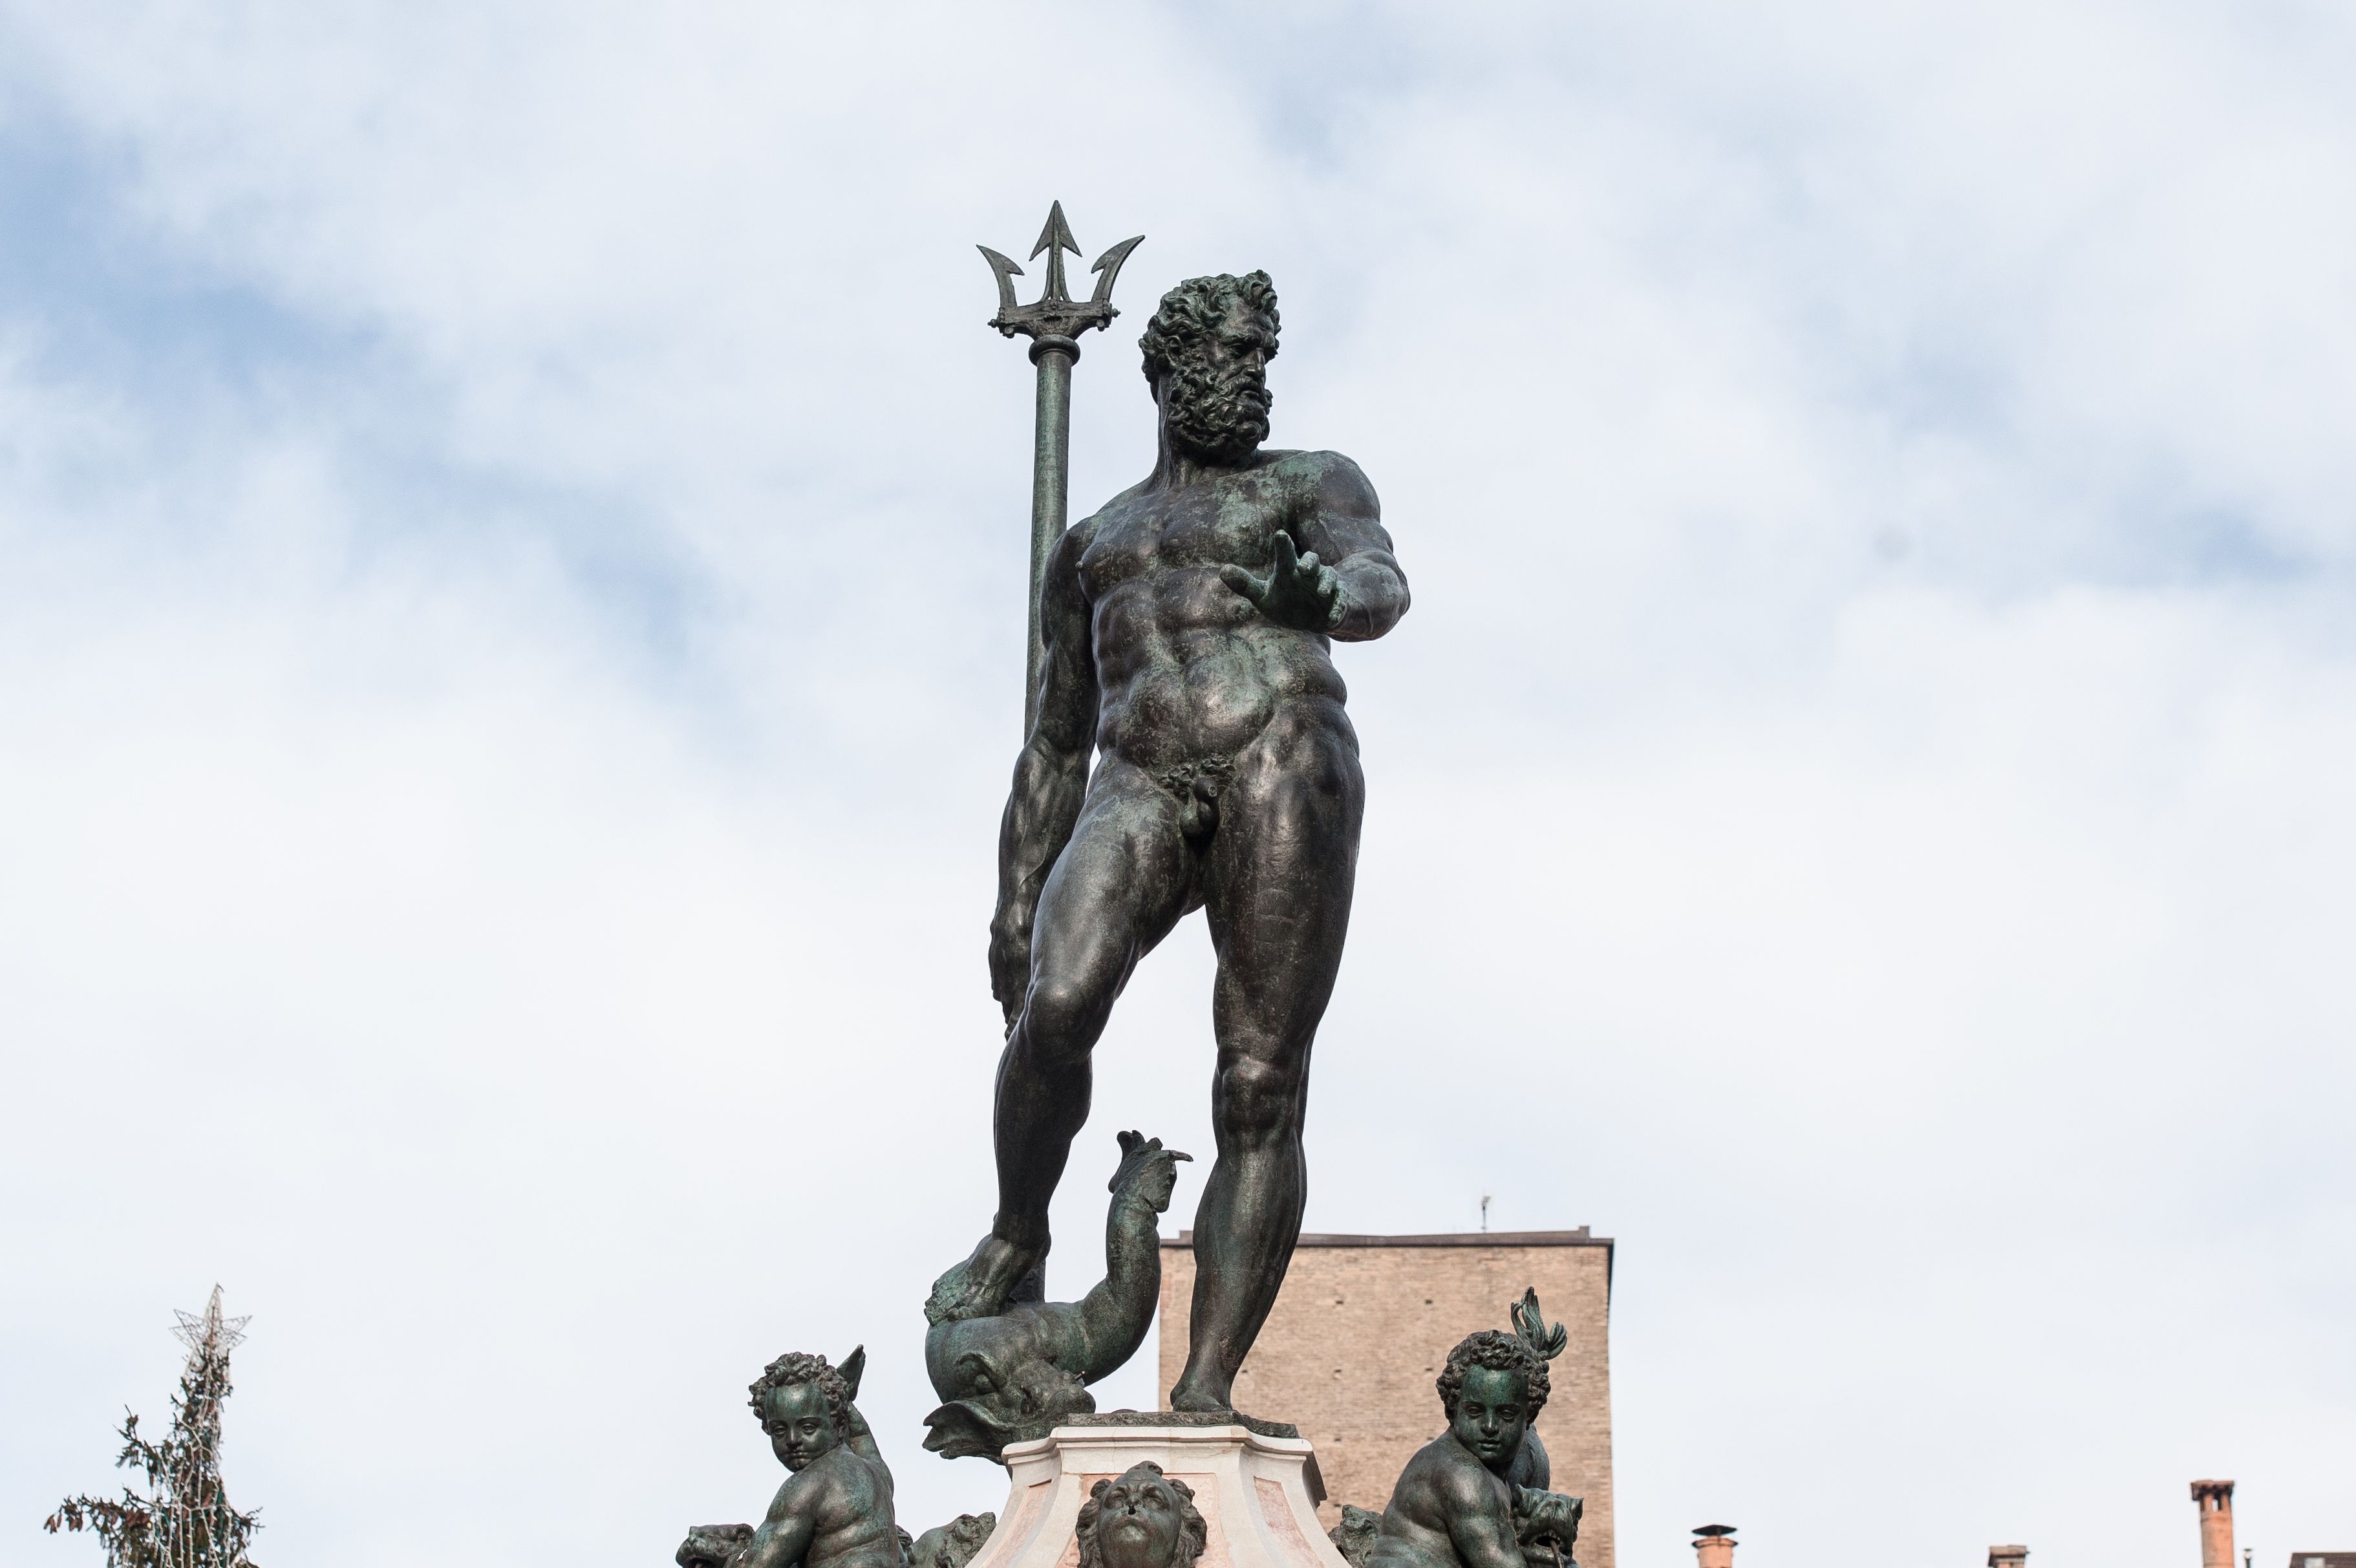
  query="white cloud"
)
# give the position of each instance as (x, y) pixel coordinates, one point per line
(508, 553)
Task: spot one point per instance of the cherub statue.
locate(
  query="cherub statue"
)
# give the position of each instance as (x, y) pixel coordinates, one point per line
(1359, 1529)
(1455, 1505)
(1016, 1374)
(1141, 1518)
(835, 1510)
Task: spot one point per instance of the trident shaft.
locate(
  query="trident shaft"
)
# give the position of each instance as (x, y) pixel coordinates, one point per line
(1053, 324)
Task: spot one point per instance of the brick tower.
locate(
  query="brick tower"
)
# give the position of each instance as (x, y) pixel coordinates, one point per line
(1714, 1546)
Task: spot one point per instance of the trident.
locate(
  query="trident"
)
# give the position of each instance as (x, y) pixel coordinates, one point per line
(1053, 324)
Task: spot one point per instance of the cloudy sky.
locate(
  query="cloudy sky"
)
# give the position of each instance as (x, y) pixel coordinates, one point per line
(511, 556)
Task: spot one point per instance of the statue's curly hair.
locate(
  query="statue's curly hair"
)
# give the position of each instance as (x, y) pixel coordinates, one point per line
(1498, 1352)
(1192, 311)
(1193, 1534)
(796, 1367)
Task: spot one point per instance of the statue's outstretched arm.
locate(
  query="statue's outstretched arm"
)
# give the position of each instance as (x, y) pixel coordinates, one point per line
(1113, 1318)
(1332, 569)
(1050, 776)
(1348, 530)
(858, 1436)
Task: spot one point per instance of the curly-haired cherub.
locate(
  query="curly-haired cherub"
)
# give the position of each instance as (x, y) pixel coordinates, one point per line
(1455, 1505)
(835, 1510)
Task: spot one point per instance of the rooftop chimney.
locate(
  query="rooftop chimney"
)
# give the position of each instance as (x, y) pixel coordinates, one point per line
(1714, 1545)
(2216, 1503)
(2008, 1557)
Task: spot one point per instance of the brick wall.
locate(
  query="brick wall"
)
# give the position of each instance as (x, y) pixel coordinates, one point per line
(1358, 1336)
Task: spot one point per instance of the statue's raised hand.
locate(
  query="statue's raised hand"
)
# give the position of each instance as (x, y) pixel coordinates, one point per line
(1147, 1169)
(1301, 591)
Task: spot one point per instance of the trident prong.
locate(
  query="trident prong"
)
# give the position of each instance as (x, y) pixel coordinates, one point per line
(1109, 264)
(1054, 323)
(1056, 239)
(1007, 271)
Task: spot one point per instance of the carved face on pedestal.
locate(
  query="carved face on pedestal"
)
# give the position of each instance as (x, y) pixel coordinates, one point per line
(1493, 1411)
(1137, 1523)
(800, 1423)
(1141, 1519)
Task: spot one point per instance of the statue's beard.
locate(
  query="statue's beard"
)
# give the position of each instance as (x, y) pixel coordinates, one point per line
(1221, 418)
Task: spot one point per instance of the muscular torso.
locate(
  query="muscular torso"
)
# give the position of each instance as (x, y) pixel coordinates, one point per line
(847, 1501)
(1187, 668)
(1188, 655)
(1445, 1492)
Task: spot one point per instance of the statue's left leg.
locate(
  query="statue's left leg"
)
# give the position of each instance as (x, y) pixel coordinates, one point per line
(1277, 884)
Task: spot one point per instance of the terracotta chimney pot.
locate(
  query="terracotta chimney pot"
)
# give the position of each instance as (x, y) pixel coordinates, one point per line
(2215, 1499)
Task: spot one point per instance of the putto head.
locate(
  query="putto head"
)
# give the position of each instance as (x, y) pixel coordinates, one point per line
(1497, 1352)
(802, 1403)
(795, 1367)
(1206, 353)
(1493, 1387)
(1141, 1518)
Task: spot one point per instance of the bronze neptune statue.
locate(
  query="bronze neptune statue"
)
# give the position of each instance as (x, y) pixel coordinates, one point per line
(1187, 631)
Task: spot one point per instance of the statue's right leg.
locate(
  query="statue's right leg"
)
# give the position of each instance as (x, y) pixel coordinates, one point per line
(1121, 884)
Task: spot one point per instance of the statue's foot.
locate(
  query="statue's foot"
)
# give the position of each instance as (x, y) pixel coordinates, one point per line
(1201, 1399)
(1191, 1398)
(979, 1287)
